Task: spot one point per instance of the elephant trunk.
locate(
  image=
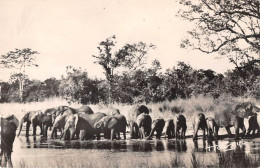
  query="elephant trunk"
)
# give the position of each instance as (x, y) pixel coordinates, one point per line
(151, 133)
(20, 127)
(196, 128)
(53, 131)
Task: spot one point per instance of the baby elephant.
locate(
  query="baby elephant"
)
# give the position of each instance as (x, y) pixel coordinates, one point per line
(157, 126)
(212, 128)
(169, 129)
(144, 122)
(180, 126)
(116, 124)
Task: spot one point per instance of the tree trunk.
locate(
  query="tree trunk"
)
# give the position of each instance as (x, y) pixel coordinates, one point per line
(21, 89)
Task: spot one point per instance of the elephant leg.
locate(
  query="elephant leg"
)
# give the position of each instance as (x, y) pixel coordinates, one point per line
(34, 129)
(204, 133)
(124, 134)
(1, 155)
(216, 132)
(98, 136)
(41, 127)
(195, 135)
(118, 135)
(253, 133)
(72, 133)
(228, 131)
(4, 161)
(249, 131)
(142, 133)
(45, 130)
(112, 134)
(27, 129)
(159, 134)
(82, 134)
(236, 132)
(9, 160)
(181, 137)
(243, 130)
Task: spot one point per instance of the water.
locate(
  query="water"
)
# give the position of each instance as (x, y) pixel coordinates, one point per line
(42, 152)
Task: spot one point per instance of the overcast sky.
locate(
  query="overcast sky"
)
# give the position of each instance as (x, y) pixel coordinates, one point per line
(67, 32)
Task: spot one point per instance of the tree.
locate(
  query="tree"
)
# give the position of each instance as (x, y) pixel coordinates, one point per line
(78, 87)
(229, 27)
(19, 60)
(130, 56)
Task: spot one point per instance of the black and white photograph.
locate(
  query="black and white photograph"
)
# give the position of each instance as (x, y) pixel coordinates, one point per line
(130, 83)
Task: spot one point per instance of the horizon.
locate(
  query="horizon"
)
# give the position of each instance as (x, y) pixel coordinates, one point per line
(67, 33)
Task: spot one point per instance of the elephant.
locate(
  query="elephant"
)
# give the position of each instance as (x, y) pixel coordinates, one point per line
(254, 124)
(8, 130)
(116, 124)
(113, 111)
(83, 125)
(169, 129)
(212, 128)
(199, 122)
(46, 121)
(61, 117)
(132, 116)
(61, 109)
(56, 111)
(233, 115)
(157, 125)
(144, 122)
(180, 126)
(34, 118)
(60, 122)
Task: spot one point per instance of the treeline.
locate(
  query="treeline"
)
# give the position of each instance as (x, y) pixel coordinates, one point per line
(148, 85)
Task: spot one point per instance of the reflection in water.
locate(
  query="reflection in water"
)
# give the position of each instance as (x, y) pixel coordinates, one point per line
(144, 145)
(177, 145)
(152, 151)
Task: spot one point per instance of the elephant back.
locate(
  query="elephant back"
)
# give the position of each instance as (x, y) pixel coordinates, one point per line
(243, 110)
(85, 109)
(91, 119)
(136, 111)
(169, 123)
(223, 119)
(159, 122)
(11, 119)
(180, 120)
(113, 111)
(49, 111)
(144, 119)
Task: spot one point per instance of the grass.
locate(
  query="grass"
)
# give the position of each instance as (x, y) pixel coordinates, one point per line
(226, 160)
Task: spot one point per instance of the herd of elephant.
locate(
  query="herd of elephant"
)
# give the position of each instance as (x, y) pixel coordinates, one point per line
(83, 123)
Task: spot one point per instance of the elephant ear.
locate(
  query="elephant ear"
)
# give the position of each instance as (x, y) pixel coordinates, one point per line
(256, 109)
(112, 123)
(242, 110)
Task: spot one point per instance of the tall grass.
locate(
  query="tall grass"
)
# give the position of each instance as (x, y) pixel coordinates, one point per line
(167, 109)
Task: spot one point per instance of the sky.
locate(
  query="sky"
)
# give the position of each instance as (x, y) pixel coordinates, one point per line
(67, 32)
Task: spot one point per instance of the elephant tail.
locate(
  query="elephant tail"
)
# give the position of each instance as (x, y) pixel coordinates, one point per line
(20, 126)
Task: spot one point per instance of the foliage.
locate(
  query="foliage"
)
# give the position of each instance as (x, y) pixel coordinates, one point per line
(142, 85)
(130, 56)
(229, 27)
(78, 87)
(19, 60)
